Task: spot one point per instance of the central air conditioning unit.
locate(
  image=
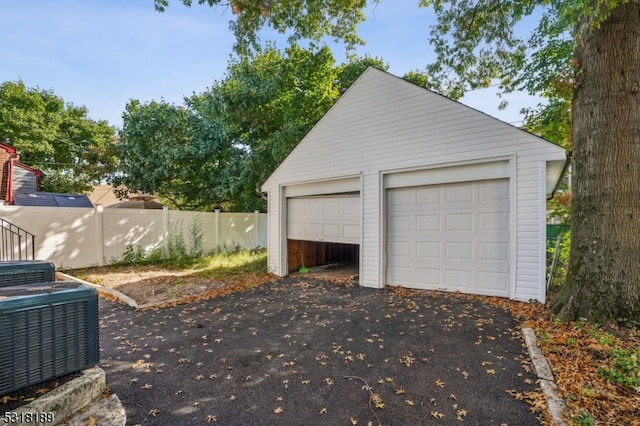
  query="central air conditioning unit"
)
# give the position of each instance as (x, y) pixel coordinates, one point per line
(25, 272)
(47, 330)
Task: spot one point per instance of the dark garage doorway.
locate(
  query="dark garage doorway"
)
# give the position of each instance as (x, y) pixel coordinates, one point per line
(319, 253)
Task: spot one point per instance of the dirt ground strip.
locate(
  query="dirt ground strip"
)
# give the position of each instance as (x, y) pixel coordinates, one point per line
(151, 285)
(304, 351)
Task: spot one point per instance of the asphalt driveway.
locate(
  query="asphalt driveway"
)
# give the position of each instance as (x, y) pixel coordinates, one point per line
(310, 352)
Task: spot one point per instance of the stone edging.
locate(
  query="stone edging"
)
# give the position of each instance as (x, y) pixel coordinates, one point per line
(102, 289)
(555, 405)
(68, 398)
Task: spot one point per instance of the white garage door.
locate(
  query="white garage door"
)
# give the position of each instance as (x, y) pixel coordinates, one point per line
(451, 236)
(334, 219)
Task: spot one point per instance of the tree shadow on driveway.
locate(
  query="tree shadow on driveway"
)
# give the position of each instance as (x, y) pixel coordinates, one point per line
(310, 352)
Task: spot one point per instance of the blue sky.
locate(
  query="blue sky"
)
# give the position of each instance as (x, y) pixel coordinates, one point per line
(101, 53)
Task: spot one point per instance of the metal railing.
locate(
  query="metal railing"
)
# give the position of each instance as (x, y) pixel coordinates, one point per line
(16, 243)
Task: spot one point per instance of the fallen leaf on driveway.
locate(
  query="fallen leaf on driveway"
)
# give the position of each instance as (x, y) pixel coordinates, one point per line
(461, 414)
(437, 415)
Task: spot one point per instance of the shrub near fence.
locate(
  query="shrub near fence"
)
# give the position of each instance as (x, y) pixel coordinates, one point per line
(84, 237)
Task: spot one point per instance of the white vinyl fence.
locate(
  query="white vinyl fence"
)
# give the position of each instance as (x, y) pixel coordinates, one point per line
(73, 237)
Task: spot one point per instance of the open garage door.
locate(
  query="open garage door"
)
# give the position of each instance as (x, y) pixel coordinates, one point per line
(452, 236)
(334, 218)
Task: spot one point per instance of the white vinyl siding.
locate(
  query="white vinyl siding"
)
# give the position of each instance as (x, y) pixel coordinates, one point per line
(383, 124)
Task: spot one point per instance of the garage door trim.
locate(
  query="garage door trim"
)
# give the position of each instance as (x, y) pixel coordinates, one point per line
(500, 168)
(349, 183)
(324, 187)
(449, 174)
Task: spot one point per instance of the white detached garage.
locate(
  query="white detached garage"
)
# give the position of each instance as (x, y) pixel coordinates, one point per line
(425, 192)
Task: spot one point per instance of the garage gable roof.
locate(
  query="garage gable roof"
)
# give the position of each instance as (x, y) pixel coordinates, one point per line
(382, 116)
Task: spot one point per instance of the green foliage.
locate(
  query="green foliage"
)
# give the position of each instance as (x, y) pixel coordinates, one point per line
(303, 19)
(588, 392)
(177, 249)
(479, 42)
(177, 254)
(219, 148)
(551, 120)
(584, 419)
(237, 262)
(197, 236)
(350, 71)
(476, 41)
(176, 153)
(224, 263)
(132, 255)
(624, 368)
(606, 339)
(562, 263)
(73, 151)
(419, 78)
(267, 104)
(222, 145)
(559, 208)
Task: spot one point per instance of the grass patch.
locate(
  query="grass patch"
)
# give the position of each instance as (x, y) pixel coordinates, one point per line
(236, 263)
(218, 265)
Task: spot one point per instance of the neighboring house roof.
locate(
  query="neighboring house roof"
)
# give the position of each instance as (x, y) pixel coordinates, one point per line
(50, 199)
(103, 195)
(36, 172)
(139, 201)
(137, 204)
(19, 184)
(15, 176)
(8, 148)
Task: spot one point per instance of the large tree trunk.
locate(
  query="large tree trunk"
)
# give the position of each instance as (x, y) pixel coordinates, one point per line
(603, 283)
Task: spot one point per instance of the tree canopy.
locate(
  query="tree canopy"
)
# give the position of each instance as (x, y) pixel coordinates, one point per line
(174, 153)
(74, 151)
(239, 130)
(267, 103)
(302, 19)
